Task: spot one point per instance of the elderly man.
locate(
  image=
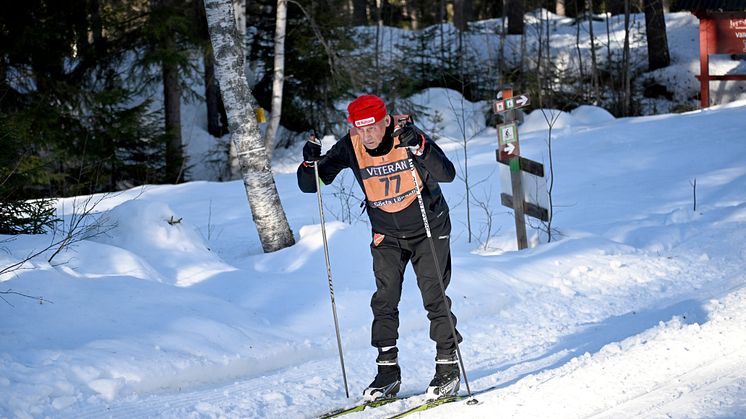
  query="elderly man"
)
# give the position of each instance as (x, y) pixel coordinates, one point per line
(377, 149)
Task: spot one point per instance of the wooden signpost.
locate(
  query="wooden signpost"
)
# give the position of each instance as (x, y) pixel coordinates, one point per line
(508, 153)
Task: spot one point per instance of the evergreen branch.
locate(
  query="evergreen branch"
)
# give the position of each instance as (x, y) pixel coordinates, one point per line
(317, 31)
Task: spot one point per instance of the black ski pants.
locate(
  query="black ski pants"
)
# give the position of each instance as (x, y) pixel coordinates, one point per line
(390, 258)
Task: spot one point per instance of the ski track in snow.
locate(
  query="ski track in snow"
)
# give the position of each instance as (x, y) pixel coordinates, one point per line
(713, 373)
(552, 375)
(249, 398)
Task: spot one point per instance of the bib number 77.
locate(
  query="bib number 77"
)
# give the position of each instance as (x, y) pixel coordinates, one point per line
(387, 184)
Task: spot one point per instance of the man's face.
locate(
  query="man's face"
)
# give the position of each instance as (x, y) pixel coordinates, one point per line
(372, 135)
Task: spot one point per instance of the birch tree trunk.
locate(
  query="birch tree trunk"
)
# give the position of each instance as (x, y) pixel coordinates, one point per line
(266, 208)
(239, 12)
(278, 78)
(217, 121)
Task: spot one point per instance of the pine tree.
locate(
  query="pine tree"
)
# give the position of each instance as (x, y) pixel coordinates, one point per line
(65, 102)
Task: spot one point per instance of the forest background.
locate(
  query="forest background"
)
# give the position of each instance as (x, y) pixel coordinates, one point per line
(91, 91)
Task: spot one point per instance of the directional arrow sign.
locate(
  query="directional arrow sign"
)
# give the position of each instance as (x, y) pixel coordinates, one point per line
(511, 103)
(507, 138)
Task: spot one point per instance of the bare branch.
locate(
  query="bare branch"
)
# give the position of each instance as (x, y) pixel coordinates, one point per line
(41, 300)
(77, 229)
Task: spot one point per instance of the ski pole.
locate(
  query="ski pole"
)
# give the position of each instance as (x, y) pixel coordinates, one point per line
(328, 267)
(438, 272)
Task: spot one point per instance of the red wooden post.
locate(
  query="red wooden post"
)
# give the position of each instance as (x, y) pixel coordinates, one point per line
(706, 33)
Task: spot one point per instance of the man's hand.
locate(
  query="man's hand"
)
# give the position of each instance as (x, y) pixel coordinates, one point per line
(311, 152)
(410, 137)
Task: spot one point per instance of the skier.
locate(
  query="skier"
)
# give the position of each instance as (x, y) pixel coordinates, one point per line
(377, 149)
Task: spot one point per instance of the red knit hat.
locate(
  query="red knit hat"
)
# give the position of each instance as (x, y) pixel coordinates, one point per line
(366, 110)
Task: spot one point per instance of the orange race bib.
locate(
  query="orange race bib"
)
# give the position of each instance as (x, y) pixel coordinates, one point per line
(387, 179)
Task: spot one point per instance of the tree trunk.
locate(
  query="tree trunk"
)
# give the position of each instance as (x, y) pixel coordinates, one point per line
(580, 52)
(626, 81)
(171, 100)
(172, 106)
(463, 13)
(359, 13)
(387, 13)
(278, 78)
(97, 32)
(610, 87)
(594, 61)
(412, 12)
(655, 29)
(239, 11)
(615, 7)
(515, 9)
(217, 120)
(266, 208)
(377, 51)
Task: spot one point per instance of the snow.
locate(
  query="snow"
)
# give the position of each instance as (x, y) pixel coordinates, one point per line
(636, 308)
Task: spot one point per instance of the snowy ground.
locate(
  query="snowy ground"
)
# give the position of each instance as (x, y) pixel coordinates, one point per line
(637, 308)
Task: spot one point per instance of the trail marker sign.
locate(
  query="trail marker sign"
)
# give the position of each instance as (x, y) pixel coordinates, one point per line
(510, 103)
(509, 153)
(507, 139)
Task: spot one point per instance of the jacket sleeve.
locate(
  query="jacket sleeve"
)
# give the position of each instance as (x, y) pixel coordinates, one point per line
(435, 162)
(329, 166)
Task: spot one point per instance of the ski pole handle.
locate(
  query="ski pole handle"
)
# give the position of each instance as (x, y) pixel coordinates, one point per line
(312, 150)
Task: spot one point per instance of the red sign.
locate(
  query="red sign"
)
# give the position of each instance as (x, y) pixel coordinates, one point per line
(730, 33)
(719, 33)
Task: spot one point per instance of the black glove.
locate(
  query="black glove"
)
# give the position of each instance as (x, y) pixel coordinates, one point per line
(311, 152)
(410, 137)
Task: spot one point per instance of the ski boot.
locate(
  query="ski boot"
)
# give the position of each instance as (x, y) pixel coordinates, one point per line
(388, 380)
(447, 377)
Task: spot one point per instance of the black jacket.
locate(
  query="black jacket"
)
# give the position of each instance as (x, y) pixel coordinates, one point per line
(433, 167)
